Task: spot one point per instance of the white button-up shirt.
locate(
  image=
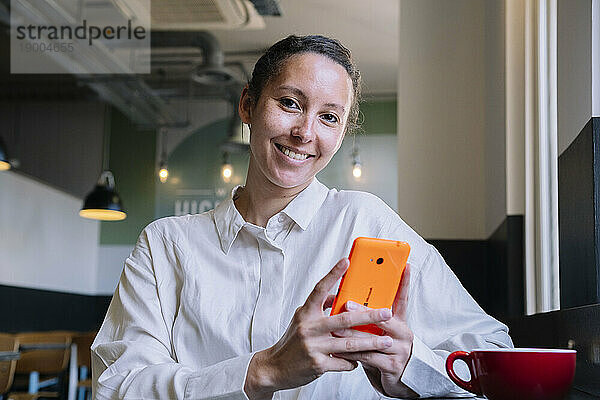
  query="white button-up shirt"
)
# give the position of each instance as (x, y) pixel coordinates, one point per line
(200, 294)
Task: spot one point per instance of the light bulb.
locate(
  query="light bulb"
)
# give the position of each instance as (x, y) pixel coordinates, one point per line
(163, 171)
(163, 174)
(227, 172)
(356, 171)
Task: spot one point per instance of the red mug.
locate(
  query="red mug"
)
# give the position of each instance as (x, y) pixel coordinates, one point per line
(508, 374)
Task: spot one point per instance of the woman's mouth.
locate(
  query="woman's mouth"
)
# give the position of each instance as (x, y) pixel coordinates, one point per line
(291, 154)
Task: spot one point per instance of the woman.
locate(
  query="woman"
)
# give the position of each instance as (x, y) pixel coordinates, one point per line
(230, 303)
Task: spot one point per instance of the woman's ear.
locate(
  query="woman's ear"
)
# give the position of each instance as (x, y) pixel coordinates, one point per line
(245, 106)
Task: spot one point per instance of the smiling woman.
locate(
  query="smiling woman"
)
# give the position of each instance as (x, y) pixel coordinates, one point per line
(297, 123)
(231, 303)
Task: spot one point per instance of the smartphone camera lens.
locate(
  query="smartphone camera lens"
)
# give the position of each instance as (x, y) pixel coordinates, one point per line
(380, 260)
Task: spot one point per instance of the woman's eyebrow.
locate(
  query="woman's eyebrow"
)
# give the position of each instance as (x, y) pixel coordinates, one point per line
(301, 94)
(293, 89)
(335, 106)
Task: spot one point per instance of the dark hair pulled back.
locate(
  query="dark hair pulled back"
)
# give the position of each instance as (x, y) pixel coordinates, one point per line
(271, 63)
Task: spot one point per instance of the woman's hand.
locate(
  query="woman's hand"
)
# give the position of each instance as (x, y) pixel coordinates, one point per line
(305, 351)
(385, 367)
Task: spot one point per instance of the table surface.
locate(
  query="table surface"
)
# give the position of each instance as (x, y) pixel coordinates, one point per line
(573, 395)
(14, 355)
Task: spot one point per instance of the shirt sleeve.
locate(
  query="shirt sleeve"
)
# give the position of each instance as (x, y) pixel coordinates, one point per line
(441, 314)
(444, 318)
(133, 356)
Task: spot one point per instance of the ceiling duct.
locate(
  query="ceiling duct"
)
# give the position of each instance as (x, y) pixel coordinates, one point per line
(144, 104)
(212, 71)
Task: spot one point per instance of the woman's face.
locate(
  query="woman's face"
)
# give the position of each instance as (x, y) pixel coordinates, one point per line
(298, 122)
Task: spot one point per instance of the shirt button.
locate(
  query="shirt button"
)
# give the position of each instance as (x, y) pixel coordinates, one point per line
(281, 218)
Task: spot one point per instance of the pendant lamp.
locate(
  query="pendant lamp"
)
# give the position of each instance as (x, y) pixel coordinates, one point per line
(4, 162)
(226, 168)
(163, 171)
(163, 168)
(104, 203)
(356, 164)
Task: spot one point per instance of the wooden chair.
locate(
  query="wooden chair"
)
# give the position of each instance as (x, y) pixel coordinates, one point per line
(44, 357)
(84, 362)
(8, 342)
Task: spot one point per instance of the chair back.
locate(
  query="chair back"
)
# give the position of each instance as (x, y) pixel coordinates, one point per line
(8, 342)
(84, 343)
(44, 361)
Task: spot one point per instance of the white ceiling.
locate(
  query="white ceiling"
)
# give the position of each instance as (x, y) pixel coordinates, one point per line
(368, 28)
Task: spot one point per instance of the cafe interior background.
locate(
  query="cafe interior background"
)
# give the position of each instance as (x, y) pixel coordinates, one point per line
(480, 128)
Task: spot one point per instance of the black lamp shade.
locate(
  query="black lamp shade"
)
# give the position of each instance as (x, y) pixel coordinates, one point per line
(103, 203)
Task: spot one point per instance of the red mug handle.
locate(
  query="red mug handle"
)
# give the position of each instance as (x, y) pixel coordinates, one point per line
(472, 385)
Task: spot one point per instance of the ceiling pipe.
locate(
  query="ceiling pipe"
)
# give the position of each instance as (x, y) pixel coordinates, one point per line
(212, 71)
(135, 98)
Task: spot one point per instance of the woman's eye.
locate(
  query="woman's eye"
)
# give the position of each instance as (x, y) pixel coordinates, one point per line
(288, 103)
(331, 118)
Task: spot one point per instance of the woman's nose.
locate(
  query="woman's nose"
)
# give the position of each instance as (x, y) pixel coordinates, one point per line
(303, 130)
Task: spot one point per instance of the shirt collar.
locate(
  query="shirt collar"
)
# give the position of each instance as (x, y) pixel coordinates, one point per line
(304, 206)
(228, 221)
(301, 210)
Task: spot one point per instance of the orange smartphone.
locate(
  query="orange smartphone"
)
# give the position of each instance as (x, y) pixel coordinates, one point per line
(373, 277)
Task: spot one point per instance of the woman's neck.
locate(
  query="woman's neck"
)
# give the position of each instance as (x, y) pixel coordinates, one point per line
(260, 199)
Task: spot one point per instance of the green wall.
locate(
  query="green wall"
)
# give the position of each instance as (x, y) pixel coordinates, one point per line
(132, 161)
(195, 183)
(379, 117)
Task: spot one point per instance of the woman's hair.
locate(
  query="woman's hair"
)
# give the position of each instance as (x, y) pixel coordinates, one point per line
(272, 62)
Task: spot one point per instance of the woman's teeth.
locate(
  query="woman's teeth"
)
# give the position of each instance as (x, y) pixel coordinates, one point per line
(291, 154)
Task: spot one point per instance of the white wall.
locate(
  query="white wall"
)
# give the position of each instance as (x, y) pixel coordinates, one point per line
(44, 243)
(515, 107)
(574, 34)
(441, 118)
(495, 116)
(111, 259)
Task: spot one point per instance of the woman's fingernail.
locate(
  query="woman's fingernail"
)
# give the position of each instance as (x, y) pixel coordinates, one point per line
(351, 305)
(386, 341)
(385, 313)
(339, 332)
